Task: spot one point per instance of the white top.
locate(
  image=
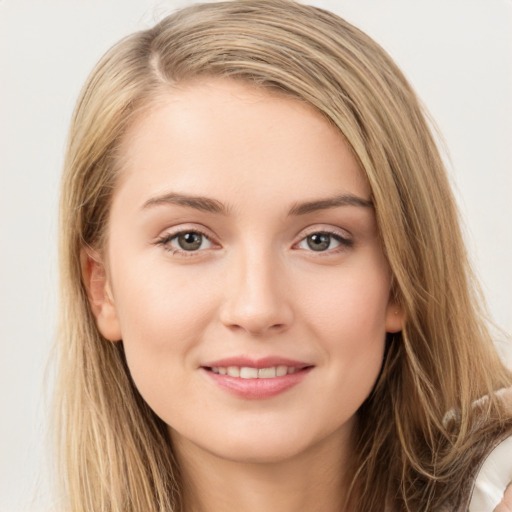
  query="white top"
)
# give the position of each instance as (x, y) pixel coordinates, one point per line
(493, 478)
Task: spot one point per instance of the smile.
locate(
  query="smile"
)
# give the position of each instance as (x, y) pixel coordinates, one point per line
(248, 372)
(259, 379)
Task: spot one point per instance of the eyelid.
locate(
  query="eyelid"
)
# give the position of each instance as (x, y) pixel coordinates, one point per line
(322, 228)
(341, 235)
(344, 238)
(169, 234)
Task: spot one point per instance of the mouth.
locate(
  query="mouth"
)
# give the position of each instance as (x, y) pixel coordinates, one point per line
(250, 372)
(256, 379)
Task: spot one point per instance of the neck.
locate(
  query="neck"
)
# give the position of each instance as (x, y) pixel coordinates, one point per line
(312, 480)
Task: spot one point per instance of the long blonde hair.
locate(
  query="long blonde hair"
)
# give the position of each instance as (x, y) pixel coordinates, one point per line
(114, 452)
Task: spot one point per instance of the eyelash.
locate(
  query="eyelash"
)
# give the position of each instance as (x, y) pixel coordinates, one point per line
(164, 241)
(345, 243)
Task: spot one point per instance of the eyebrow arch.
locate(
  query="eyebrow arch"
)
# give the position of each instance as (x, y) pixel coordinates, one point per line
(333, 202)
(213, 206)
(198, 202)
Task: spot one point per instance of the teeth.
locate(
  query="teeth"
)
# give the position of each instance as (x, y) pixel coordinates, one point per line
(233, 371)
(281, 370)
(247, 372)
(266, 373)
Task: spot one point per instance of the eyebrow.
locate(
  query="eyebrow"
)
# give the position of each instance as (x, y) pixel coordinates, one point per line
(197, 202)
(332, 202)
(213, 206)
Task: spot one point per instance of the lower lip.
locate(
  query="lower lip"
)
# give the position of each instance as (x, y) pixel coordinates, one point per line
(258, 389)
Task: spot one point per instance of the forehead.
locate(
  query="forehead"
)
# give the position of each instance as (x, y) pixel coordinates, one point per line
(219, 137)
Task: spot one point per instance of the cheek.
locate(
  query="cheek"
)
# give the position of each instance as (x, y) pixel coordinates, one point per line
(350, 305)
(162, 316)
(153, 298)
(347, 315)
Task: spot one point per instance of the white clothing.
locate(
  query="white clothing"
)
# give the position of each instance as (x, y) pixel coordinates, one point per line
(493, 478)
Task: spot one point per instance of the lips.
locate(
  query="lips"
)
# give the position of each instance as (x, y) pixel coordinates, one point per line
(249, 372)
(256, 379)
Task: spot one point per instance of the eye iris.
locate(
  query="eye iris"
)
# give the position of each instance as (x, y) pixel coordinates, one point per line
(319, 241)
(190, 241)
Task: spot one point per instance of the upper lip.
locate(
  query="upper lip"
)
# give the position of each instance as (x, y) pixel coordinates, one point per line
(263, 362)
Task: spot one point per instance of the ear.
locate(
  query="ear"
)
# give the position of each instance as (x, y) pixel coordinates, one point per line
(394, 316)
(100, 295)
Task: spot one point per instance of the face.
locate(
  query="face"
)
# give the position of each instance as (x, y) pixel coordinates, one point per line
(244, 273)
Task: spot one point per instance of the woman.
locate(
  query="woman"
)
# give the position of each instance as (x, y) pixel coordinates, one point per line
(266, 299)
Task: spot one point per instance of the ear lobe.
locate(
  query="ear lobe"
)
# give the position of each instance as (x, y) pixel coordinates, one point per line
(394, 316)
(99, 294)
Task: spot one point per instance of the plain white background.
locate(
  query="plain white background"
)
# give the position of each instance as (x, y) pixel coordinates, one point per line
(456, 53)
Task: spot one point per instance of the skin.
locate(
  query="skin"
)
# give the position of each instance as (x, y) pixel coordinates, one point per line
(254, 288)
(505, 504)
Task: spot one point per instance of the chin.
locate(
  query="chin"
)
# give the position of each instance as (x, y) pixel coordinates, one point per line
(259, 444)
(260, 452)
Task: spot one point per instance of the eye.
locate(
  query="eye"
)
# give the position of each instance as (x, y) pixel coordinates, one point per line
(185, 241)
(191, 241)
(323, 241)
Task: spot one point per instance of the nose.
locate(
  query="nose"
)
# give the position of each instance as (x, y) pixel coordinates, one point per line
(256, 299)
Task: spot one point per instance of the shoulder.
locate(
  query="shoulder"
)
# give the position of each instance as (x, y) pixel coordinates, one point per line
(495, 472)
(493, 478)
